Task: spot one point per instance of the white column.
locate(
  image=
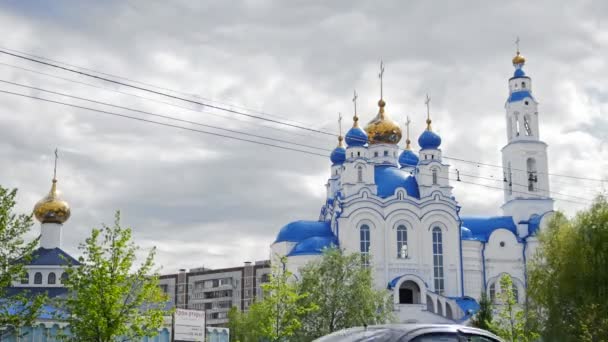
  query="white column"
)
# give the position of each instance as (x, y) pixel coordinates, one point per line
(50, 235)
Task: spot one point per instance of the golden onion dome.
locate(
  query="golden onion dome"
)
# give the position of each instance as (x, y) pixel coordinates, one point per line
(383, 130)
(518, 59)
(51, 208)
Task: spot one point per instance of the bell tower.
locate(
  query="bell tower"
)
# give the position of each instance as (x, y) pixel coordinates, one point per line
(524, 158)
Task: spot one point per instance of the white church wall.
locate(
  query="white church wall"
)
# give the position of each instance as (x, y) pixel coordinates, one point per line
(473, 268)
(504, 255)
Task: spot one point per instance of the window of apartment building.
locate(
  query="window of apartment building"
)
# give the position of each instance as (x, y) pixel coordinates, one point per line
(208, 306)
(208, 284)
(225, 304)
(225, 281)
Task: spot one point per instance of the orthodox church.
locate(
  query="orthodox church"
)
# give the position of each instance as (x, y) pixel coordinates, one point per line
(397, 208)
(45, 272)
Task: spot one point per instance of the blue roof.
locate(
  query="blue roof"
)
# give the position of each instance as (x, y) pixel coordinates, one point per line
(313, 245)
(468, 305)
(393, 283)
(429, 140)
(482, 227)
(390, 178)
(519, 96)
(534, 222)
(465, 233)
(408, 158)
(338, 155)
(53, 256)
(519, 72)
(300, 230)
(356, 137)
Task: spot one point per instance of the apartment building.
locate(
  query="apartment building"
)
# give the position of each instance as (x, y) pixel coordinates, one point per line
(216, 290)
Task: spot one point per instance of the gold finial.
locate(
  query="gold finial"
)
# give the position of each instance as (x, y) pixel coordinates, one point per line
(518, 59)
(55, 168)
(355, 118)
(381, 76)
(51, 208)
(428, 112)
(407, 132)
(340, 138)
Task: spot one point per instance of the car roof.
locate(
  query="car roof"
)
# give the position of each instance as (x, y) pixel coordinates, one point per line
(394, 332)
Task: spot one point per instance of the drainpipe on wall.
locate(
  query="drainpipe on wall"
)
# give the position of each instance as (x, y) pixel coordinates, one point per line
(483, 265)
(461, 262)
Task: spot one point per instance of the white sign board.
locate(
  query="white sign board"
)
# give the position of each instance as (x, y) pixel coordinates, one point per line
(189, 325)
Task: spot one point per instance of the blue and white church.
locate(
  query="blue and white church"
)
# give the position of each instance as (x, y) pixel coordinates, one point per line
(398, 209)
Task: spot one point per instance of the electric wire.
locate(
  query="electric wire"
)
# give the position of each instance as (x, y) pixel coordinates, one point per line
(165, 94)
(163, 116)
(151, 85)
(224, 136)
(224, 116)
(257, 117)
(159, 123)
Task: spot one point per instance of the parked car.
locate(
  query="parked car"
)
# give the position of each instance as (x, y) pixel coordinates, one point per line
(413, 333)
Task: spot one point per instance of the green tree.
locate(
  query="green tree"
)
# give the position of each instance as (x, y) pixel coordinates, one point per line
(344, 292)
(20, 309)
(510, 322)
(483, 317)
(106, 298)
(567, 278)
(276, 317)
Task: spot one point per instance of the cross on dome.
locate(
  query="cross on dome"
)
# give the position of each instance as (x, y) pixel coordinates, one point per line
(380, 75)
(407, 133)
(518, 60)
(428, 112)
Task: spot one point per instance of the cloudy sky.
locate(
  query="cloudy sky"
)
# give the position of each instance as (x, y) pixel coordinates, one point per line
(212, 201)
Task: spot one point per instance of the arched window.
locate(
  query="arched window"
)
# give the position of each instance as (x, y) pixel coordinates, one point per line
(386, 153)
(523, 85)
(527, 126)
(376, 154)
(38, 278)
(430, 306)
(448, 311)
(364, 239)
(438, 260)
(26, 278)
(64, 277)
(493, 293)
(434, 176)
(439, 308)
(531, 171)
(51, 278)
(360, 174)
(515, 293)
(402, 252)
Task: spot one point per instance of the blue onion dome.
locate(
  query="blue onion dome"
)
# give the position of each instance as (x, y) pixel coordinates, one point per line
(408, 158)
(429, 139)
(338, 155)
(356, 136)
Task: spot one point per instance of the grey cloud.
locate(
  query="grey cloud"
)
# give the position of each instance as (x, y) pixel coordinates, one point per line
(298, 60)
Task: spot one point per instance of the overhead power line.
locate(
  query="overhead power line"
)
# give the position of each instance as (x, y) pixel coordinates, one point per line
(224, 115)
(165, 94)
(149, 84)
(164, 116)
(220, 135)
(36, 59)
(160, 123)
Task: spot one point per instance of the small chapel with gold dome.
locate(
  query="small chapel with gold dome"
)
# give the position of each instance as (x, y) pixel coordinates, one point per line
(396, 206)
(45, 272)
